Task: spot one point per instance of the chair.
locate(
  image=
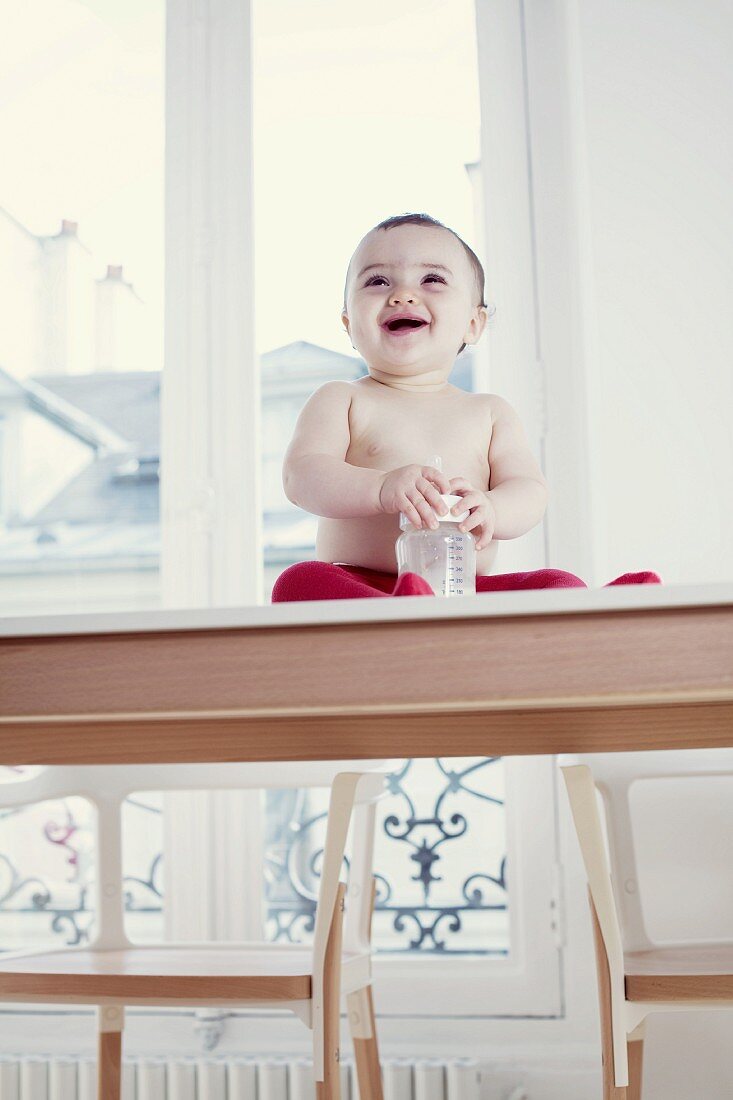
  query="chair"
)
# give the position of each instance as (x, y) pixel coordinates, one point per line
(635, 975)
(113, 972)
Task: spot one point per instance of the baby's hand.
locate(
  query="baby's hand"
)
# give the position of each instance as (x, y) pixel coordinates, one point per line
(411, 489)
(483, 513)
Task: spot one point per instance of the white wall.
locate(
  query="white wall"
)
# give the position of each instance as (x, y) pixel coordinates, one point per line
(651, 105)
(655, 99)
(629, 157)
(606, 159)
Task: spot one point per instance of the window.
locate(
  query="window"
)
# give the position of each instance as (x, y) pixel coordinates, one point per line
(361, 119)
(451, 937)
(356, 118)
(229, 395)
(48, 869)
(81, 278)
(440, 860)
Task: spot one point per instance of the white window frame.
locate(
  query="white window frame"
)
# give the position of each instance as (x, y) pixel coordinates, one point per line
(211, 420)
(536, 252)
(211, 557)
(211, 507)
(538, 249)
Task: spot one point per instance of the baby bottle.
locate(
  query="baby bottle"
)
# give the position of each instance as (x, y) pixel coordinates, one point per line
(446, 557)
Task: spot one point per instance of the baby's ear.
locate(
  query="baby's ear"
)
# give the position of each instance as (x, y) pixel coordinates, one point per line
(476, 326)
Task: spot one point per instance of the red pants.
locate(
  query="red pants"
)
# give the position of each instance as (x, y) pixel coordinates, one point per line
(320, 580)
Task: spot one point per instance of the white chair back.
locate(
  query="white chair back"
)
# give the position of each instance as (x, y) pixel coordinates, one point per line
(613, 774)
(354, 784)
(114, 782)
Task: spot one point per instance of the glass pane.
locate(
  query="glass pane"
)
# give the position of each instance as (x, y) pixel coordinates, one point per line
(440, 863)
(440, 860)
(48, 867)
(142, 866)
(356, 111)
(356, 118)
(81, 280)
(46, 874)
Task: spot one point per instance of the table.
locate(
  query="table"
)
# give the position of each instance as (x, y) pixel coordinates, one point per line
(503, 673)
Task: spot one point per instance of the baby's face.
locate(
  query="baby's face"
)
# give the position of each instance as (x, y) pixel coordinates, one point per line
(423, 271)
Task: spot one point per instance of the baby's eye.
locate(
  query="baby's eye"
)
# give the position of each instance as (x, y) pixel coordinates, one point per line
(372, 279)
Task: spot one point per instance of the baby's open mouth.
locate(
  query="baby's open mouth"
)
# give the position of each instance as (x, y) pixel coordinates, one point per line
(404, 324)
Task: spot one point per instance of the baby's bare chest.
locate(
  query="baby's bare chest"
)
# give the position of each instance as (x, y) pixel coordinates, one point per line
(394, 429)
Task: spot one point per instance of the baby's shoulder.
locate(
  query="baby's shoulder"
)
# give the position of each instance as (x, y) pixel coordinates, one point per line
(498, 405)
(490, 403)
(336, 385)
(334, 394)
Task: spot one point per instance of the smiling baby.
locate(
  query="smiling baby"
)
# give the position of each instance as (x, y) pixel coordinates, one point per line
(360, 453)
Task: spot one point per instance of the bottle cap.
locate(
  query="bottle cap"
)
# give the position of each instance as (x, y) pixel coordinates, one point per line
(450, 500)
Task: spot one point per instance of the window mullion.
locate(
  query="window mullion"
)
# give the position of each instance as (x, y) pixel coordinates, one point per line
(210, 408)
(210, 399)
(213, 865)
(508, 208)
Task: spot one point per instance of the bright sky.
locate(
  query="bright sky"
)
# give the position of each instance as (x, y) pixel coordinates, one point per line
(357, 117)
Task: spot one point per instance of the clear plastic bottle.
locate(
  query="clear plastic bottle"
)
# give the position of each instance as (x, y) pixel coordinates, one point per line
(446, 557)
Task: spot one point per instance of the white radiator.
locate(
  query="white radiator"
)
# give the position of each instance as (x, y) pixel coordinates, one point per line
(234, 1078)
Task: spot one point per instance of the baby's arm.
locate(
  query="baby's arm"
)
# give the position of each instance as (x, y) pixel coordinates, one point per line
(316, 476)
(517, 488)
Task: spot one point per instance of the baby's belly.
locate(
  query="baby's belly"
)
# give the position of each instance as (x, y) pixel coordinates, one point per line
(370, 542)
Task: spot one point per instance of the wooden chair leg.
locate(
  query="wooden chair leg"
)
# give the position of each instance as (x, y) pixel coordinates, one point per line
(110, 1024)
(364, 1038)
(611, 1091)
(330, 1087)
(636, 1055)
(364, 1033)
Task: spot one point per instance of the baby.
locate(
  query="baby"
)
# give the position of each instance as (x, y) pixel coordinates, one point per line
(414, 298)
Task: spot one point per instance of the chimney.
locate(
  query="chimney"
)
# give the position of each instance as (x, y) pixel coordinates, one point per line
(68, 280)
(119, 331)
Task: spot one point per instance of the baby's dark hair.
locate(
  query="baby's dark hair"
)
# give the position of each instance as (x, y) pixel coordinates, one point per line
(425, 219)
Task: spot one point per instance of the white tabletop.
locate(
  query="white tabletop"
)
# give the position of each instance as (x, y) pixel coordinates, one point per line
(546, 601)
